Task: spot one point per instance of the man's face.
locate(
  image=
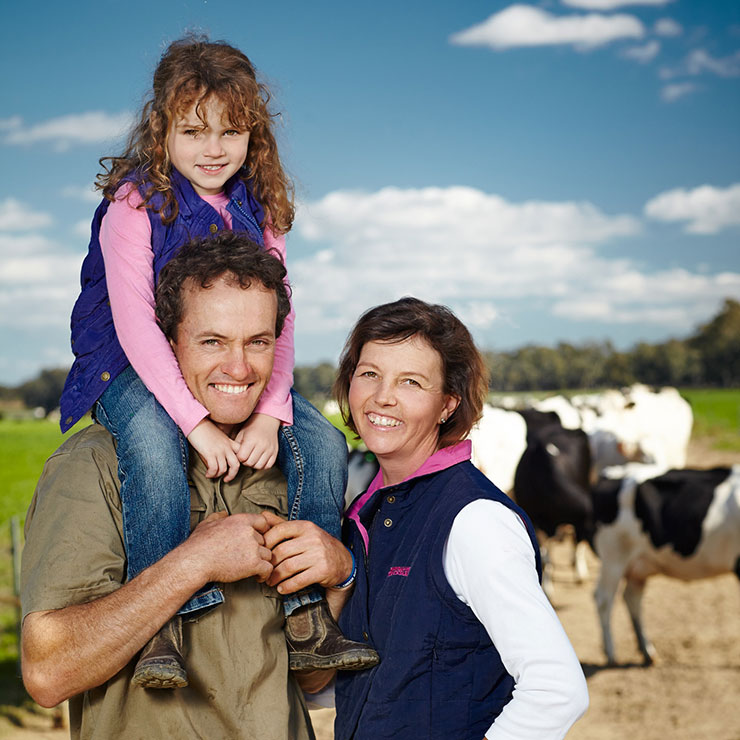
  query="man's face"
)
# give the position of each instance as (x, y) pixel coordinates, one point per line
(226, 346)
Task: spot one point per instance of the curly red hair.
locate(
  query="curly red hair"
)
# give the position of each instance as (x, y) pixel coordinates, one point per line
(191, 71)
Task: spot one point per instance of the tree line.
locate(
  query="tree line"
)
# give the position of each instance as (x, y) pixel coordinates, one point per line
(709, 357)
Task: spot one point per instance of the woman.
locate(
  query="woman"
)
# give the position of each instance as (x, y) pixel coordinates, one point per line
(447, 578)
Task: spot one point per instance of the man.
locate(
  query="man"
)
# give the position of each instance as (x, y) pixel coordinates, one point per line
(83, 625)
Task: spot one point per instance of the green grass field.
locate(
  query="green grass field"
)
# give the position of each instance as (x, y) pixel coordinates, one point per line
(716, 415)
(24, 445)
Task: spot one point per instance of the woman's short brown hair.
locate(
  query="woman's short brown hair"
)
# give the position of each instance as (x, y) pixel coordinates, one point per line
(465, 375)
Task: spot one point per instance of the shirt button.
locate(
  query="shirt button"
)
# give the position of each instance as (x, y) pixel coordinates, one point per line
(391, 499)
(388, 522)
(213, 228)
(105, 376)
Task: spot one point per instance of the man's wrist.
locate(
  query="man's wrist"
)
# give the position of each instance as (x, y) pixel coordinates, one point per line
(351, 578)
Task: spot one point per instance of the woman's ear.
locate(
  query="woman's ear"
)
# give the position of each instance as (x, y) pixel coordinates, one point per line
(451, 404)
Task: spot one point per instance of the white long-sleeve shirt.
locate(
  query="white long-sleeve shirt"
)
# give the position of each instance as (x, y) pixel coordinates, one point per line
(489, 564)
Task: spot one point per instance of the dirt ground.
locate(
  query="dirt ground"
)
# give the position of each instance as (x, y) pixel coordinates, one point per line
(692, 693)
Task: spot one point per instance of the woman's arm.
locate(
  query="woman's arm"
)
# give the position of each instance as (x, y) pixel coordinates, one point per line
(489, 563)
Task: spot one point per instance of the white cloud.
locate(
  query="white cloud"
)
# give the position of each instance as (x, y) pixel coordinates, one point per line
(699, 61)
(673, 92)
(643, 54)
(39, 281)
(455, 245)
(667, 27)
(706, 209)
(86, 194)
(610, 4)
(670, 298)
(10, 124)
(525, 25)
(80, 128)
(82, 228)
(487, 258)
(17, 216)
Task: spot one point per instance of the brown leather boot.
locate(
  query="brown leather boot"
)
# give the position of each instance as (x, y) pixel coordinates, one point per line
(315, 642)
(161, 665)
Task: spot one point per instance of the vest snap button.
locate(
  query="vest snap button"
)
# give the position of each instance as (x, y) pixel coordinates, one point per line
(365, 636)
(388, 522)
(391, 499)
(105, 376)
(68, 420)
(213, 228)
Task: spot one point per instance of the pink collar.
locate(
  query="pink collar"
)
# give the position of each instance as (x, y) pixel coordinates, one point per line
(440, 460)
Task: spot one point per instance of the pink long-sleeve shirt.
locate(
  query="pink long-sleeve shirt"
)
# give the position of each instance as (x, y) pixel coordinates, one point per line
(126, 243)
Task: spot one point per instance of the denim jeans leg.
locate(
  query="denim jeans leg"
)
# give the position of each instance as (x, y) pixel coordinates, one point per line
(152, 467)
(313, 457)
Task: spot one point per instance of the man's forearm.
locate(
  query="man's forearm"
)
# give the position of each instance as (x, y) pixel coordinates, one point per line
(67, 651)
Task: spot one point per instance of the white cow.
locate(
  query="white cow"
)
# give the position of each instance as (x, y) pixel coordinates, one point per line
(683, 523)
(499, 440)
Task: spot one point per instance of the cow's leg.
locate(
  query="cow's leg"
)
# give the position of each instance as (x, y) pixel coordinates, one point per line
(579, 561)
(606, 588)
(633, 591)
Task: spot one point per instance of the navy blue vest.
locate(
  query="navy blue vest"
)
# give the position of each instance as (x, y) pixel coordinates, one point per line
(99, 358)
(440, 676)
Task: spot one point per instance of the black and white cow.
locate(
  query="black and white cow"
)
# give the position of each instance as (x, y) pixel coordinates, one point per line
(552, 484)
(683, 523)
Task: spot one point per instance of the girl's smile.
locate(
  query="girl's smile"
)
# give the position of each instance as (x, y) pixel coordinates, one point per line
(208, 152)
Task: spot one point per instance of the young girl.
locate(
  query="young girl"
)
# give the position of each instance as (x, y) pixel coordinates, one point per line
(201, 158)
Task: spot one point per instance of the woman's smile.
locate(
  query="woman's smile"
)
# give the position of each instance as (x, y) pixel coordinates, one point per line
(397, 401)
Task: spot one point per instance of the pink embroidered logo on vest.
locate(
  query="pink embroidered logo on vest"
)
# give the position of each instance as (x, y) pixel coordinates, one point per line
(398, 571)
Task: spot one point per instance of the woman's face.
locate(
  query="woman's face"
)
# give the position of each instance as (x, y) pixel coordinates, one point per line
(397, 402)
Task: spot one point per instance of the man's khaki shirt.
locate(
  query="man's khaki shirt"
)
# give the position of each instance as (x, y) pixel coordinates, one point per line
(235, 654)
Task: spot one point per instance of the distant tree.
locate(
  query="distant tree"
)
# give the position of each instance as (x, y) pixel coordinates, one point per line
(44, 390)
(314, 382)
(718, 343)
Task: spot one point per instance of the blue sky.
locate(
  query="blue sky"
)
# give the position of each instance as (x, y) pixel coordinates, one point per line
(562, 170)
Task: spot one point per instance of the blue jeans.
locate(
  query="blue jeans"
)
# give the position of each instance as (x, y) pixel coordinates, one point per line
(155, 497)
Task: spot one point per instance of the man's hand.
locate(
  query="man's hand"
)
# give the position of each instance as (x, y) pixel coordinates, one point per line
(229, 548)
(216, 449)
(304, 554)
(258, 441)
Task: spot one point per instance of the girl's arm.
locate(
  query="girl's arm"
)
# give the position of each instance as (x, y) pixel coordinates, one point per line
(489, 563)
(258, 440)
(276, 400)
(125, 240)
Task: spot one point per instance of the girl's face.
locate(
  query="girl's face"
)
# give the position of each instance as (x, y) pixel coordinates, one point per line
(207, 154)
(397, 402)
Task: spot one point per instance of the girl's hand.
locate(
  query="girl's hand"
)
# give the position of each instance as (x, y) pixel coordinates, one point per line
(216, 449)
(258, 441)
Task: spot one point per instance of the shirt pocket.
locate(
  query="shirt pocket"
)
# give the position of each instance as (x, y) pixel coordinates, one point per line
(270, 496)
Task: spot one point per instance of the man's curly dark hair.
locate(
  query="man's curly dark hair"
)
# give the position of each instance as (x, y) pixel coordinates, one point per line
(201, 262)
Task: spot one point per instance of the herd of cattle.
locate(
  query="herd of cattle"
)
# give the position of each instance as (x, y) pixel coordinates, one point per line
(610, 466)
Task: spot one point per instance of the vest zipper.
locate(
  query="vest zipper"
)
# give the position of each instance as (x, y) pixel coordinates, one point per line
(250, 218)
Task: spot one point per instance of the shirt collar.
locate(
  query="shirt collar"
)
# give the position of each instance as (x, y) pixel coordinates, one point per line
(440, 460)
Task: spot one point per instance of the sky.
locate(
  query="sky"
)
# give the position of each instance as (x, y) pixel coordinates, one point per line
(566, 170)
